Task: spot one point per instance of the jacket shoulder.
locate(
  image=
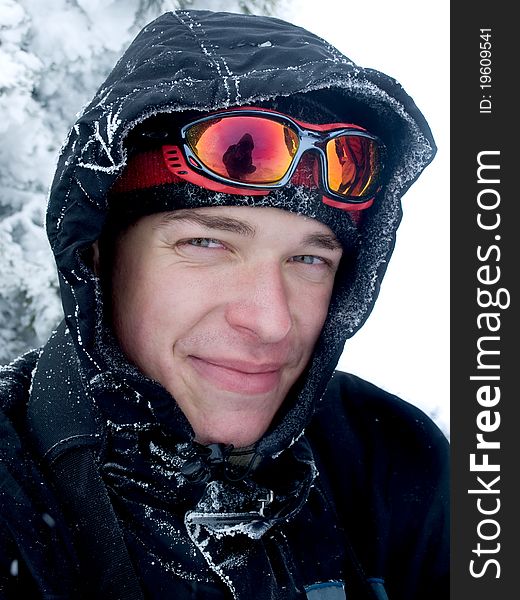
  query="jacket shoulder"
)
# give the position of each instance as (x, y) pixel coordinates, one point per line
(15, 382)
(362, 406)
(385, 464)
(385, 435)
(33, 539)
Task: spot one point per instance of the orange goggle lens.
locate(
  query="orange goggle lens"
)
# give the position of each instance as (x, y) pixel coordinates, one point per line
(353, 165)
(245, 149)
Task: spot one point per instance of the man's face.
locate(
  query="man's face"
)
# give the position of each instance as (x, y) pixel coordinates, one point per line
(223, 307)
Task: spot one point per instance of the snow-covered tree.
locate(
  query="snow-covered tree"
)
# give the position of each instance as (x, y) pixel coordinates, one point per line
(53, 57)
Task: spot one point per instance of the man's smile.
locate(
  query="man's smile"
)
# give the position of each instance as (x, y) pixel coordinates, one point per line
(237, 375)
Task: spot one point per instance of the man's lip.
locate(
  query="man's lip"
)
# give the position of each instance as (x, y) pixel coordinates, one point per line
(242, 366)
(239, 376)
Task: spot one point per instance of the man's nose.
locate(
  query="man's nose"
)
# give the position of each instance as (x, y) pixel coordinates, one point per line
(261, 304)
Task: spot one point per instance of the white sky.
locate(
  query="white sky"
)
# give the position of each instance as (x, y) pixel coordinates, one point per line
(404, 345)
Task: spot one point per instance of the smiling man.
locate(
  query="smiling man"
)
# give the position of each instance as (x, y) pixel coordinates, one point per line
(221, 217)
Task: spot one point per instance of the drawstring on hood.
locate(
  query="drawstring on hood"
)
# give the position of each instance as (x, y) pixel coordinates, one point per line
(217, 461)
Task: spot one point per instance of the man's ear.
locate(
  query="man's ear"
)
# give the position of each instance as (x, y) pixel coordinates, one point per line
(95, 259)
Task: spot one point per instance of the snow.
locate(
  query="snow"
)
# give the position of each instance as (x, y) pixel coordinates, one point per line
(54, 54)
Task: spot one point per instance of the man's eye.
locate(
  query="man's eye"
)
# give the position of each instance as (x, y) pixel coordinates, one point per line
(308, 259)
(204, 243)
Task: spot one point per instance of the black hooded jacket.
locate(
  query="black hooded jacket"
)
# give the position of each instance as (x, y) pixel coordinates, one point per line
(104, 493)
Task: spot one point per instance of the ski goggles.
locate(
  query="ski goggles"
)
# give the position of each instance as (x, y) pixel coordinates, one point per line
(251, 151)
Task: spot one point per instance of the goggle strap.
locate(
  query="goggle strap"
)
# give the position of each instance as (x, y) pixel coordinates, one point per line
(145, 170)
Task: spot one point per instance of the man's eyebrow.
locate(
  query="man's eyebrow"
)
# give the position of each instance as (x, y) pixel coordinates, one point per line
(323, 240)
(209, 221)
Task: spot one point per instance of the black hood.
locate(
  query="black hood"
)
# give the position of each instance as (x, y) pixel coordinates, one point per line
(202, 60)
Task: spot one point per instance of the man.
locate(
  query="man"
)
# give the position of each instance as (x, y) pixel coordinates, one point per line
(221, 216)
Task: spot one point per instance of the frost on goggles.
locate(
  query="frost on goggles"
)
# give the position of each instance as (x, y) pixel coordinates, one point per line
(257, 150)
